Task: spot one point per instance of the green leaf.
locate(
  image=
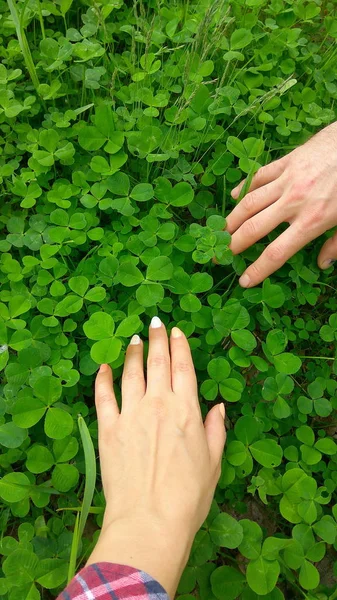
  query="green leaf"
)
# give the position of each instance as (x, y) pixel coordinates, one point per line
(68, 306)
(150, 294)
(227, 583)
(129, 275)
(51, 572)
(27, 411)
(18, 305)
(272, 295)
(231, 389)
(309, 576)
(106, 351)
(190, 303)
(79, 285)
(327, 446)
(58, 423)
(99, 327)
(14, 487)
(181, 195)
(244, 339)
(267, 452)
(39, 459)
(236, 453)
(250, 546)
(96, 294)
(262, 575)
(240, 38)
(159, 269)
(129, 326)
(48, 389)
(65, 6)
(64, 477)
(276, 341)
(287, 363)
(90, 138)
(142, 192)
(12, 436)
(219, 369)
(247, 429)
(226, 531)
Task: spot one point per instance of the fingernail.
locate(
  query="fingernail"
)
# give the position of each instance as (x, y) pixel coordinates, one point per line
(135, 340)
(103, 368)
(176, 333)
(234, 193)
(155, 323)
(328, 263)
(222, 409)
(244, 281)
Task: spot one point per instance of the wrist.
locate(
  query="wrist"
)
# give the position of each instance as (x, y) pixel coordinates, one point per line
(147, 545)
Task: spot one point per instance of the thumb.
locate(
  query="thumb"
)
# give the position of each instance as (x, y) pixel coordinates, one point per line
(215, 432)
(328, 254)
(106, 404)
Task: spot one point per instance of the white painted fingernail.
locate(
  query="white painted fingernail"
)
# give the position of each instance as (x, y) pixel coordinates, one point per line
(135, 340)
(328, 263)
(155, 323)
(244, 281)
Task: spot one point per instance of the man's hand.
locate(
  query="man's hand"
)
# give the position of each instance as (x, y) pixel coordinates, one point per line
(299, 189)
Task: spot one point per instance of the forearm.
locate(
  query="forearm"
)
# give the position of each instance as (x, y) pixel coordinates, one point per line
(161, 553)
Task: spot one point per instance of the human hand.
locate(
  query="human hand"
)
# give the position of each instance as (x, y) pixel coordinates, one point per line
(160, 463)
(299, 189)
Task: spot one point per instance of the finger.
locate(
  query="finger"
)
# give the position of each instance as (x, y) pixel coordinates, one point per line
(328, 253)
(184, 381)
(253, 203)
(256, 228)
(263, 176)
(158, 361)
(277, 253)
(106, 404)
(133, 381)
(216, 434)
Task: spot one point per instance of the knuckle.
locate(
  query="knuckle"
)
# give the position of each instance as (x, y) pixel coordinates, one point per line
(298, 190)
(102, 398)
(158, 406)
(181, 366)
(249, 228)
(312, 220)
(275, 253)
(255, 272)
(259, 175)
(158, 360)
(249, 202)
(132, 375)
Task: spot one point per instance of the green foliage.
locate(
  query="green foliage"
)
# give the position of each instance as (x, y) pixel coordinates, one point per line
(123, 128)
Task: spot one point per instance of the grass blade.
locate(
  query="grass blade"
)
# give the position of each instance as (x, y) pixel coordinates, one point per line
(73, 551)
(90, 473)
(89, 488)
(23, 43)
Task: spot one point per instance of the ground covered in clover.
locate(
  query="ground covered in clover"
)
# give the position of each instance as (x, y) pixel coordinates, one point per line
(123, 128)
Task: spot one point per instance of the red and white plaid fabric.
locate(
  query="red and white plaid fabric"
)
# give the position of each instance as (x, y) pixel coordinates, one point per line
(108, 581)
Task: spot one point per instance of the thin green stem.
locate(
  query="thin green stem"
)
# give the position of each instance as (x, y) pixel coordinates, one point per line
(318, 357)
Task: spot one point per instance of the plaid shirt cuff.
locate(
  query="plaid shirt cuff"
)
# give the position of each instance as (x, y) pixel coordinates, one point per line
(108, 581)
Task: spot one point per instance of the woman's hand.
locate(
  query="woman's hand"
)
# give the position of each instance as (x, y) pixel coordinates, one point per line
(299, 189)
(160, 463)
